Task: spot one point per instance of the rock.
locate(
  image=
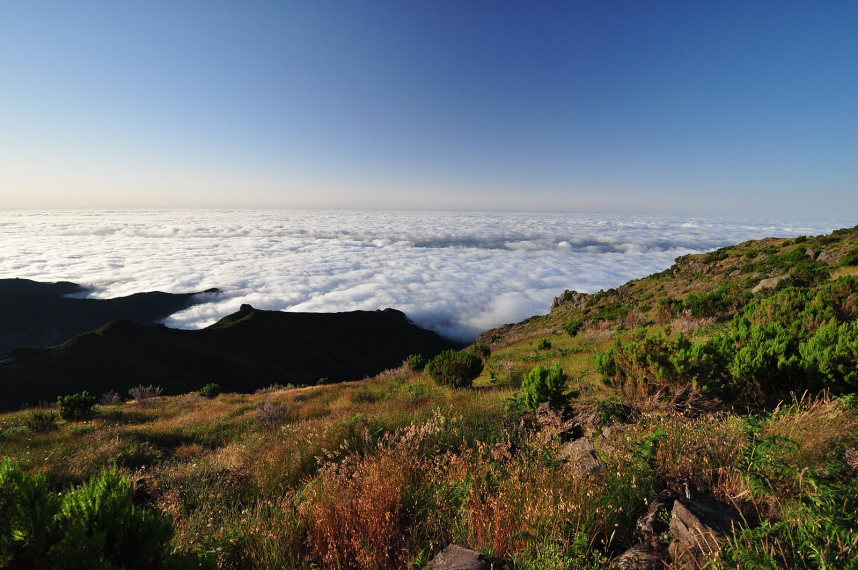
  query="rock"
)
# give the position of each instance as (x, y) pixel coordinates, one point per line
(699, 526)
(572, 298)
(638, 557)
(769, 283)
(552, 420)
(580, 456)
(457, 558)
(651, 526)
(586, 422)
(825, 256)
(811, 253)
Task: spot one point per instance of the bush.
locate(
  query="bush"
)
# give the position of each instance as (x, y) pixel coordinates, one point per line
(542, 385)
(77, 407)
(142, 393)
(611, 412)
(111, 398)
(210, 390)
(95, 525)
(573, 328)
(543, 344)
(271, 414)
(481, 350)
(454, 368)
(41, 422)
(416, 362)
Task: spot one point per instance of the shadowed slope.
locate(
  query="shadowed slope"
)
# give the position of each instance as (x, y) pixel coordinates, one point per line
(243, 351)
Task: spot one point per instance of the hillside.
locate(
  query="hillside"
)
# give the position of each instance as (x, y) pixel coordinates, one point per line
(704, 416)
(33, 313)
(244, 351)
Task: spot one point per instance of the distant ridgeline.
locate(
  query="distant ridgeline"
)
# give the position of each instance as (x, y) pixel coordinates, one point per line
(38, 314)
(244, 351)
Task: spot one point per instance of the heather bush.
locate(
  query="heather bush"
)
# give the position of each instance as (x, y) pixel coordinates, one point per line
(144, 394)
(454, 368)
(75, 407)
(210, 390)
(271, 414)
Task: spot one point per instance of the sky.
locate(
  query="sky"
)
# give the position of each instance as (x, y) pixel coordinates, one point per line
(703, 107)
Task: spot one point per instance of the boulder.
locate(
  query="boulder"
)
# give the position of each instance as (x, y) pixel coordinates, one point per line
(699, 525)
(827, 257)
(769, 283)
(638, 557)
(651, 526)
(552, 420)
(457, 558)
(811, 253)
(586, 423)
(580, 456)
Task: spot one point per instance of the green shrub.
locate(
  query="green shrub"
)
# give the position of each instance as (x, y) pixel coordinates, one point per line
(481, 350)
(573, 328)
(76, 407)
(455, 368)
(611, 412)
(543, 344)
(95, 525)
(830, 356)
(322, 381)
(41, 422)
(850, 258)
(416, 362)
(211, 390)
(542, 385)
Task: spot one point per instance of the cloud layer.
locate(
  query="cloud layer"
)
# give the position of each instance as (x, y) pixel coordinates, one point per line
(456, 273)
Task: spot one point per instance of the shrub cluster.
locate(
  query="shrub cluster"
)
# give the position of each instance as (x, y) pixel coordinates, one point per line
(542, 385)
(210, 390)
(77, 407)
(454, 368)
(795, 339)
(95, 525)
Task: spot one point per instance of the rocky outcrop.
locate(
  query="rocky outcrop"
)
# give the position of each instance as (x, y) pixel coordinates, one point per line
(697, 527)
(457, 558)
(572, 299)
(553, 422)
(769, 283)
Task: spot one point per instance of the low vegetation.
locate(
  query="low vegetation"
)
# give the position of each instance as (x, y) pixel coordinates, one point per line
(689, 379)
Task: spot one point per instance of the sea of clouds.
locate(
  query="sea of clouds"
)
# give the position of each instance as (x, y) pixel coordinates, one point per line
(454, 272)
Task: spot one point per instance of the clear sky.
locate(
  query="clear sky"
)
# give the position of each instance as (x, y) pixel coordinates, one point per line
(722, 107)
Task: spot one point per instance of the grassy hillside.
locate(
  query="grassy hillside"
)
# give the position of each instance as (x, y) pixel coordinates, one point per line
(686, 379)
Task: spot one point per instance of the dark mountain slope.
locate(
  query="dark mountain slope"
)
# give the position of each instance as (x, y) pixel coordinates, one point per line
(244, 351)
(36, 314)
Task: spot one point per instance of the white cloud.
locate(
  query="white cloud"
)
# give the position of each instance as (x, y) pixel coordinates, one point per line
(457, 273)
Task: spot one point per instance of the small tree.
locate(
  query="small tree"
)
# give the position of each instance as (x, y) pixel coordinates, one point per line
(416, 362)
(454, 368)
(542, 385)
(75, 407)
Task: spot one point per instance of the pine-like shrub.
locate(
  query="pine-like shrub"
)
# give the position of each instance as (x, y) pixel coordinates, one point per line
(210, 390)
(76, 407)
(542, 385)
(416, 362)
(455, 368)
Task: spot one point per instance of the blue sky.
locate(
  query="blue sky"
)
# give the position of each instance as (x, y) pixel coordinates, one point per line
(721, 107)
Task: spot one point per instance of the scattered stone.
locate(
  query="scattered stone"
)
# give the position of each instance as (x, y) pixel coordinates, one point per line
(580, 456)
(811, 253)
(457, 558)
(638, 557)
(699, 525)
(586, 422)
(769, 283)
(552, 420)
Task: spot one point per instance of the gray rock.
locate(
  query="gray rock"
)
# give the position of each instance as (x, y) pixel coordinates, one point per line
(826, 257)
(651, 525)
(638, 557)
(457, 558)
(811, 253)
(552, 420)
(699, 526)
(580, 456)
(769, 283)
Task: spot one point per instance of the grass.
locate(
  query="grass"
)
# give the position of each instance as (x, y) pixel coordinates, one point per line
(382, 473)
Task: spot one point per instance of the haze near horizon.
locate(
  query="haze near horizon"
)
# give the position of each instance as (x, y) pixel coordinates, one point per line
(729, 108)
